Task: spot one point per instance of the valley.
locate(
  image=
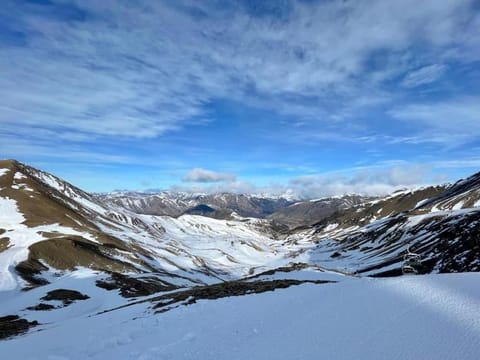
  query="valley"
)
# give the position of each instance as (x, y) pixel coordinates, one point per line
(72, 261)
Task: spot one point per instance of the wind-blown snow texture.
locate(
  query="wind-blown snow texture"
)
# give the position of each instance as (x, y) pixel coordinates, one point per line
(410, 317)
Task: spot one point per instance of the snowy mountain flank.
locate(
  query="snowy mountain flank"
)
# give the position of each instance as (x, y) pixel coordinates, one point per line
(178, 276)
(224, 205)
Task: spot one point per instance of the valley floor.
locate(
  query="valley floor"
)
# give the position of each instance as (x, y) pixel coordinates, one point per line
(408, 317)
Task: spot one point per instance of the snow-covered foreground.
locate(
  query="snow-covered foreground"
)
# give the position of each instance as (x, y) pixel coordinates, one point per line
(409, 317)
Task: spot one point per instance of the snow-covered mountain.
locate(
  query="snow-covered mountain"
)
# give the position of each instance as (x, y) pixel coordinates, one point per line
(222, 205)
(440, 225)
(105, 263)
(48, 225)
(304, 213)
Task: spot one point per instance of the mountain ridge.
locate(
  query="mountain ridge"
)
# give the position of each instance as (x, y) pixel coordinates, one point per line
(83, 259)
(118, 228)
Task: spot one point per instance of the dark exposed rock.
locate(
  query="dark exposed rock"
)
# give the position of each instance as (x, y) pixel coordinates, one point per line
(12, 325)
(30, 270)
(189, 296)
(4, 241)
(41, 307)
(133, 287)
(65, 295)
(226, 289)
(284, 269)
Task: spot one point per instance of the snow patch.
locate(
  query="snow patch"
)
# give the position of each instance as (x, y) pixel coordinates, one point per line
(458, 206)
(4, 172)
(20, 238)
(330, 227)
(19, 176)
(22, 187)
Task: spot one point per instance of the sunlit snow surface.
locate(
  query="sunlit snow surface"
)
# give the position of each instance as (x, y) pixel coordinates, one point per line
(20, 238)
(410, 317)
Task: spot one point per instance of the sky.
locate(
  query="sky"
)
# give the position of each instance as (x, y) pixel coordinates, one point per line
(314, 98)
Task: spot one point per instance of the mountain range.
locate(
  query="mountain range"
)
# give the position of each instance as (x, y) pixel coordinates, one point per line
(63, 248)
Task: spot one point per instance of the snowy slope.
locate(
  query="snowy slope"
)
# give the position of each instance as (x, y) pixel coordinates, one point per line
(422, 317)
(441, 225)
(106, 282)
(47, 220)
(463, 194)
(224, 249)
(446, 241)
(44, 212)
(20, 237)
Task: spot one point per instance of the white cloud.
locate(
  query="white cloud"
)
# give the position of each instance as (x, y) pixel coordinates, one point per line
(380, 179)
(473, 163)
(142, 69)
(20, 149)
(206, 176)
(368, 181)
(450, 119)
(424, 75)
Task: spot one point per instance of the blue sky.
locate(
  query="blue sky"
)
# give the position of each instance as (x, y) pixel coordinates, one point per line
(315, 97)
